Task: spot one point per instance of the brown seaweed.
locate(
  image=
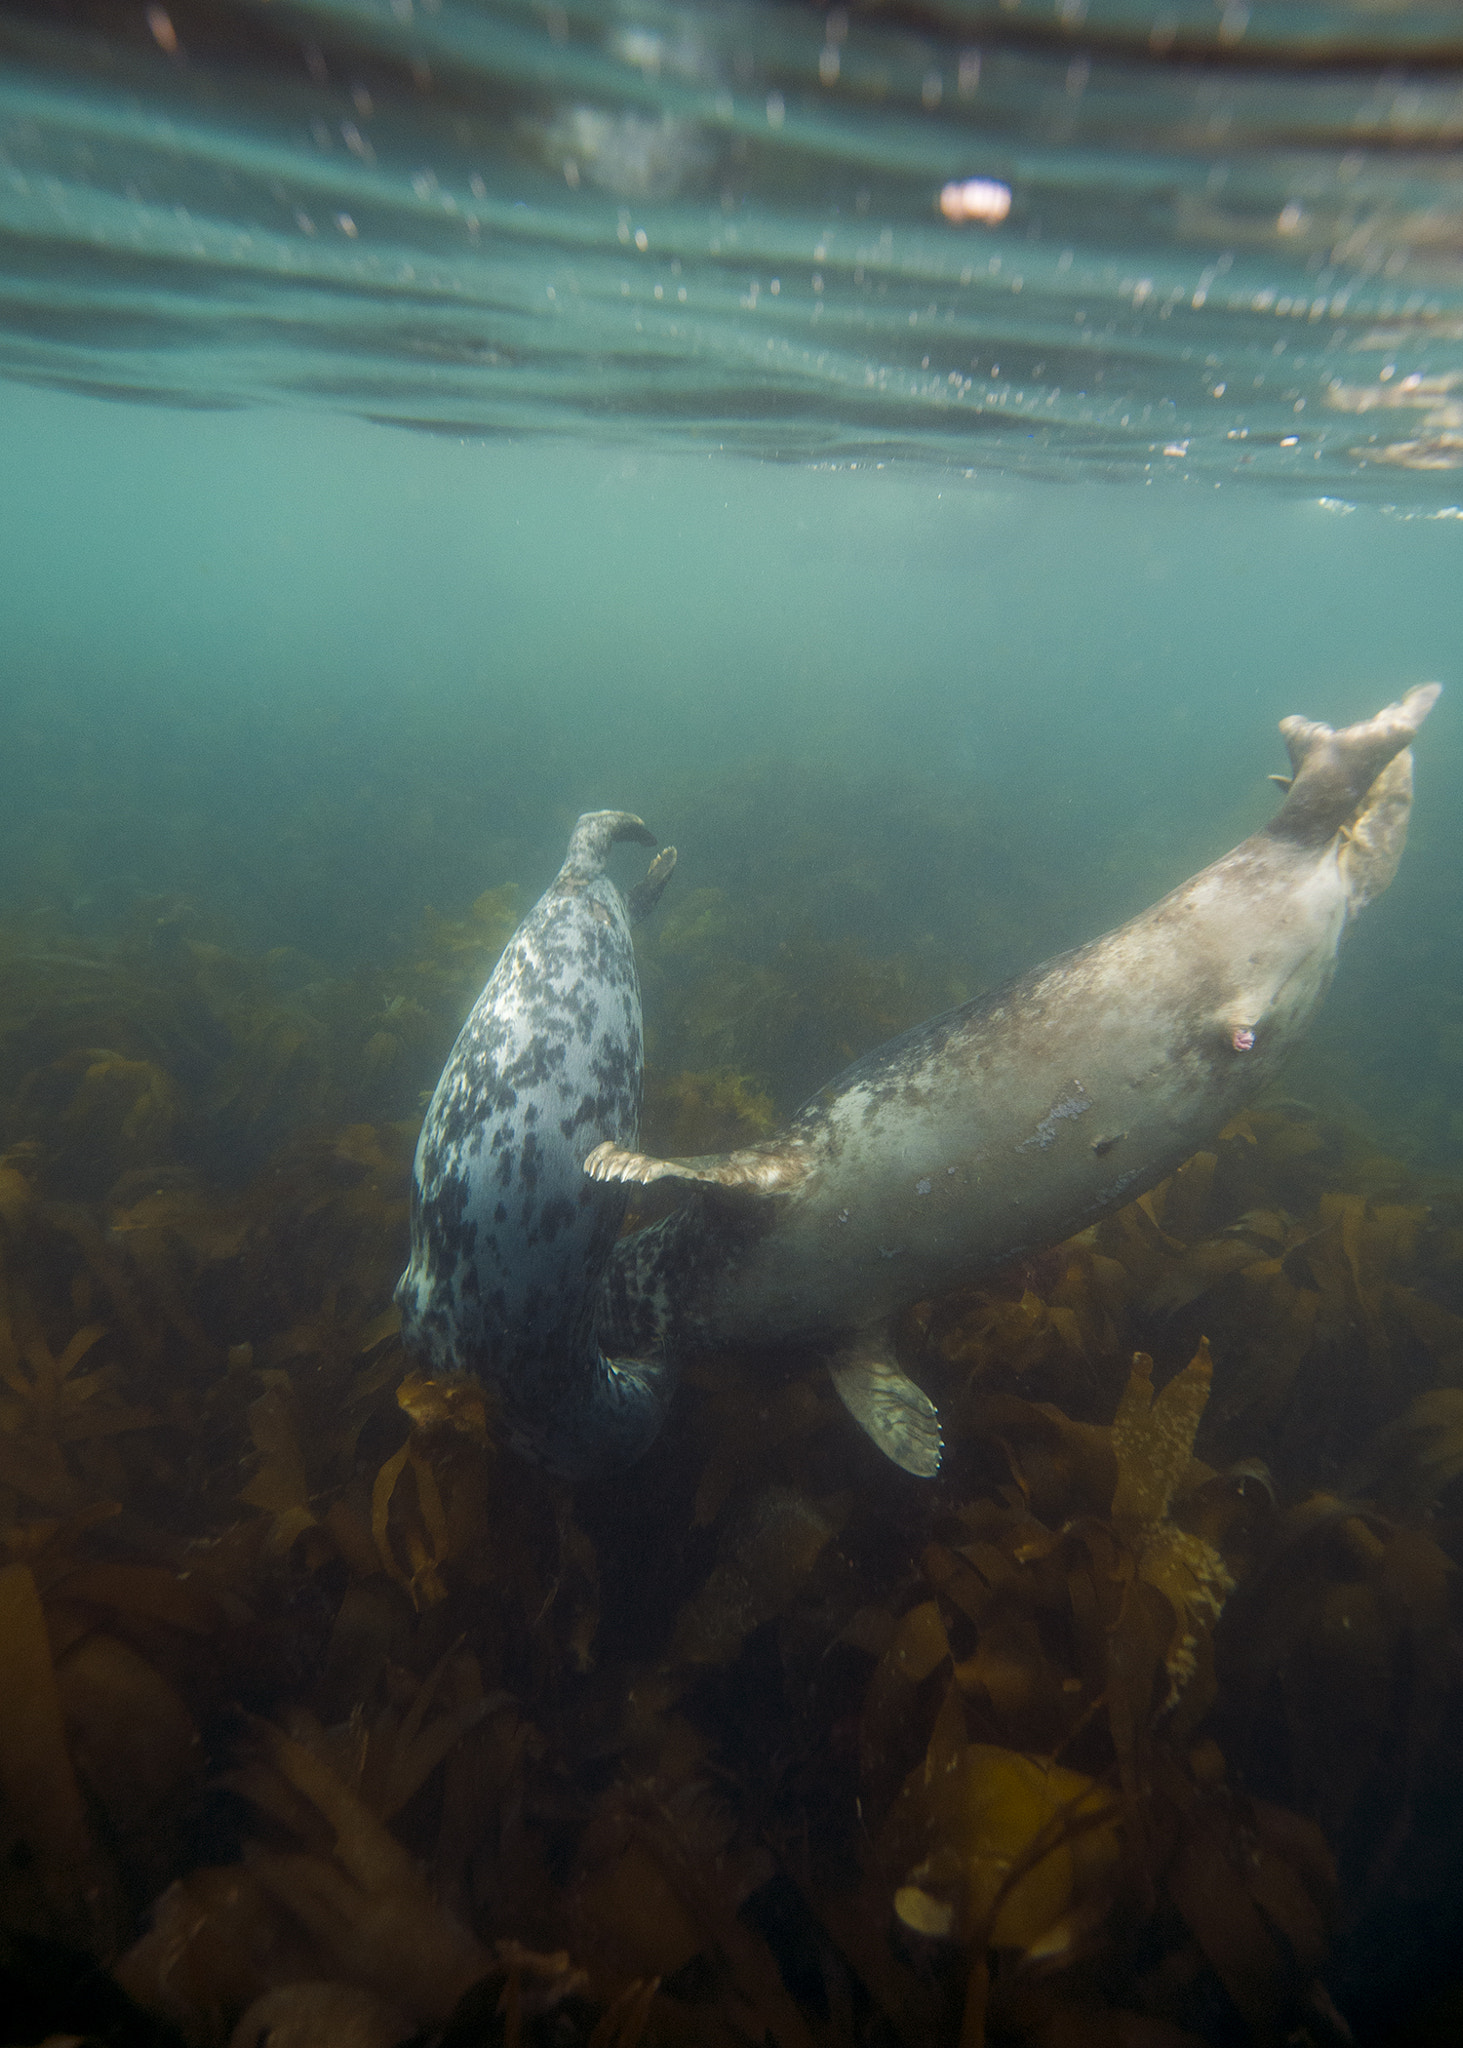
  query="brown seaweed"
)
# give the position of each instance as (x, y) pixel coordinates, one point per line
(1097, 1740)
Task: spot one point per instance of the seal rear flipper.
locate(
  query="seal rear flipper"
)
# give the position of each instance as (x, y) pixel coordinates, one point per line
(1335, 771)
(774, 1169)
(643, 898)
(887, 1405)
(606, 1417)
(1373, 845)
(631, 1397)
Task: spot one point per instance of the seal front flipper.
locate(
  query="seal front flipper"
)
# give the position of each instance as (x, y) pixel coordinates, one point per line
(643, 898)
(773, 1169)
(887, 1405)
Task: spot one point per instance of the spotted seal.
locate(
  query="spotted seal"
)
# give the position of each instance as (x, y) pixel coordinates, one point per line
(1015, 1120)
(508, 1237)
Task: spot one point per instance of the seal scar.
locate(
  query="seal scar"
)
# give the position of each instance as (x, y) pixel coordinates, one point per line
(1074, 1103)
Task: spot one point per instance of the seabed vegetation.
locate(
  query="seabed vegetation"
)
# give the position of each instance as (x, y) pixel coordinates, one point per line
(325, 1721)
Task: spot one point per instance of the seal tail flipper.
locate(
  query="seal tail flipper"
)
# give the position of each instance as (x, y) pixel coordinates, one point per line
(1372, 846)
(758, 1169)
(643, 898)
(887, 1405)
(1335, 771)
(592, 838)
(631, 1397)
(608, 1418)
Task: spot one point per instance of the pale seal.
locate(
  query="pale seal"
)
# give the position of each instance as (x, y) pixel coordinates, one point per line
(508, 1237)
(1017, 1119)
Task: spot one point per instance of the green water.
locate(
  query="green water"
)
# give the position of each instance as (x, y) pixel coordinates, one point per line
(314, 674)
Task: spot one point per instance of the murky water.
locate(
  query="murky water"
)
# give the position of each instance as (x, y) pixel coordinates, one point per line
(1221, 254)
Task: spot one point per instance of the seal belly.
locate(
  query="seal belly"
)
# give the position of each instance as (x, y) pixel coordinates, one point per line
(1021, 1118)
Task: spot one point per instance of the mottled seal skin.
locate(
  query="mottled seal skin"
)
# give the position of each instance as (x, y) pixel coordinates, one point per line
(1017, 1119)
(508, 1237)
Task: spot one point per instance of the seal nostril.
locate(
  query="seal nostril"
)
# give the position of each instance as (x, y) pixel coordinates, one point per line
(1243, 1040)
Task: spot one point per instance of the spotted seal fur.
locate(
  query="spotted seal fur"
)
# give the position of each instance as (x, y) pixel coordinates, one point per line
(508, 1237)
(1015, 1120)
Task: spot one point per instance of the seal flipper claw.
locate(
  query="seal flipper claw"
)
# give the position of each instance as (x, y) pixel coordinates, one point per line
(756, 1170)
(643, 898)
(887, 1405)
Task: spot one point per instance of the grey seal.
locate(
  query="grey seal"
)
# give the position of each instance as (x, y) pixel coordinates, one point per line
(1018, 1118)
(508, 1238)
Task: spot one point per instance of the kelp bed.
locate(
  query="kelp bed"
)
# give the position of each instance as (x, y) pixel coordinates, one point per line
(324, 1721)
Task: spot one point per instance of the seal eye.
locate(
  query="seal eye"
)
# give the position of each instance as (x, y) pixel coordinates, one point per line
(1244, 1039)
